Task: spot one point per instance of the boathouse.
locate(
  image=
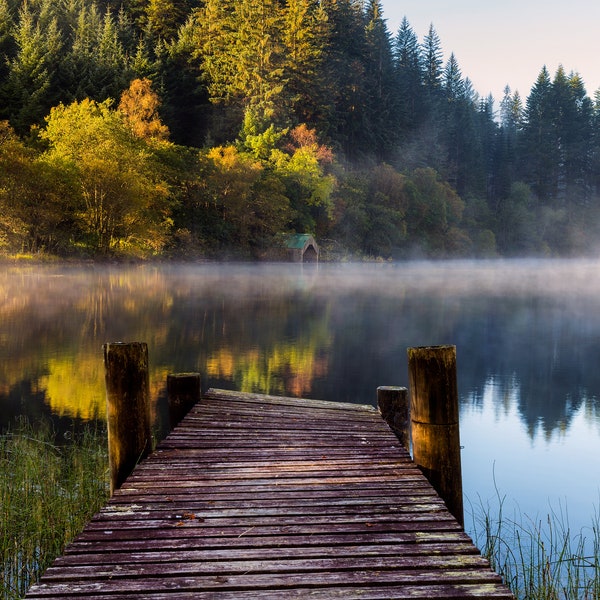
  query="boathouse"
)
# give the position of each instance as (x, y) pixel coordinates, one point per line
(302, 247)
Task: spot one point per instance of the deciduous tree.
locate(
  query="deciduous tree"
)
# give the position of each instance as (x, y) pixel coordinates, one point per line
(140, 103)
(122, 200)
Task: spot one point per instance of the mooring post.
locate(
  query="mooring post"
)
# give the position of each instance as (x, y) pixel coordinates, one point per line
(434, 421)
(127, 407)
(184, 391)
(393, 405)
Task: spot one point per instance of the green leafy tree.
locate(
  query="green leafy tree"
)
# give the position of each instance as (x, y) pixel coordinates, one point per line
(433, 216)
(350, 227)
(386, 210)
(249, 198)
(122, 202)
(370, 210)
(258, 137)
(303, 168)
(33, 199)
(516, 223)
(16, 166)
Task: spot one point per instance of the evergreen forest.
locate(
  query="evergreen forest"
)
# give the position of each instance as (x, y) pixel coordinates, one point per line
(215, 128)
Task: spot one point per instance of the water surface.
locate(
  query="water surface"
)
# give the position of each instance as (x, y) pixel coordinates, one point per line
(527, 336)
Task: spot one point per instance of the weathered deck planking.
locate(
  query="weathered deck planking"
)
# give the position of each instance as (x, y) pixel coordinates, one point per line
(264, 497)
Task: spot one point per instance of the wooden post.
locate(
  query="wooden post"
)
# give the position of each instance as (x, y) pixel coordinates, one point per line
(434, 421)
(128, 408)
(184, 391)
(394, 408)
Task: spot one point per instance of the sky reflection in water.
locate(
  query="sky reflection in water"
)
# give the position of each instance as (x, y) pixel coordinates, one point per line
(531, 475)
(527, 336)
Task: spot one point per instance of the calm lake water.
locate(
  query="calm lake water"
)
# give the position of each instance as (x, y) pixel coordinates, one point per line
(527, 336)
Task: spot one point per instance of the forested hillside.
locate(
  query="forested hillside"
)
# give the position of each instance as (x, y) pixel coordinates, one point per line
(193, 128)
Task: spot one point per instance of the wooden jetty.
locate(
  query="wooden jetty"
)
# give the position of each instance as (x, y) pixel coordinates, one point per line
(254, 496)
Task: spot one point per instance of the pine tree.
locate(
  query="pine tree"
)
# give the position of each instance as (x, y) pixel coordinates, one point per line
(80, 63)
(504, 169)
(432, 63)
(258, 54)
(164, 17)
(304, 36)
(454, 86)
(7, 46)
(462, 134)
(577, 136)
(29, 90)
(186, 107)
(241, 52)
(381, 110)
(345, 72)
(409, 78)
(540, 158)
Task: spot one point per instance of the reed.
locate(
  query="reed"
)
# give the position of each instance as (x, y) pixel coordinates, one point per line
(541, 558)
(48, 492)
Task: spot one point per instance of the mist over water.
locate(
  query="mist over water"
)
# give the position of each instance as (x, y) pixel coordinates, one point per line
(527, 334)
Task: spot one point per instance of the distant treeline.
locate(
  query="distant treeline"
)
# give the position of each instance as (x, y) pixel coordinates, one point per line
(215, 127)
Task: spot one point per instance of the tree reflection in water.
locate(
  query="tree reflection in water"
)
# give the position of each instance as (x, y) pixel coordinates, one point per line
(527, 334)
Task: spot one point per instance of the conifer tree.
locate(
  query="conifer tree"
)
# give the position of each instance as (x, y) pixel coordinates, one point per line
(504, 168)
(164, 17)
(29, 90)
(258, 53)
(381, 110)
(539, 141)
(6, 46)
(186, 107)
(304, 37)
(577, 135)
(432, 63)
(409, 78)
(345, 71)
(454, 86)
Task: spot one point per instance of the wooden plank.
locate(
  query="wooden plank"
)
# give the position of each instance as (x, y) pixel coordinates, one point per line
(269, 581)
(259, 496)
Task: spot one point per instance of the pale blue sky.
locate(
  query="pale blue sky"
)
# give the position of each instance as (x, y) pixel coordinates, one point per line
(509, 42)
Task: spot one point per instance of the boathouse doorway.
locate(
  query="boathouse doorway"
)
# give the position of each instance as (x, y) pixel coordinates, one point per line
(302, 247)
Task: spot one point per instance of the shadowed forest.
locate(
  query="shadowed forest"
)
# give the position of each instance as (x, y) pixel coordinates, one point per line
(190, 128)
